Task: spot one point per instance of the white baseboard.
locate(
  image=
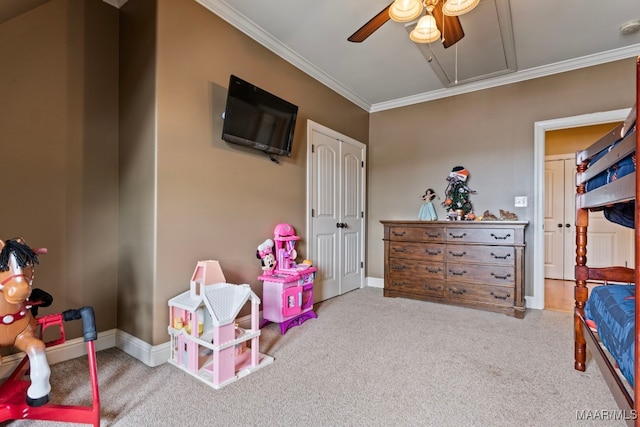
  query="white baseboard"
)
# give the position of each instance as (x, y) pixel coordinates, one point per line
(151, 355)
(65, 351)
(375, 282)
(155, 355)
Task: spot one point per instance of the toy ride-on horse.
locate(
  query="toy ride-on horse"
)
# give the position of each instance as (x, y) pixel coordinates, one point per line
(25, 393)
(17, 324)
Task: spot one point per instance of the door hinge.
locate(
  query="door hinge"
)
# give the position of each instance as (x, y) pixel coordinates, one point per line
(313, 148)
(361, 214)
(362, 163)
(361, 264)
(313, 213)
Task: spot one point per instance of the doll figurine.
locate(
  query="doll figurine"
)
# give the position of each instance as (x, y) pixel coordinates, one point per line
(427, 211)
(266, 255)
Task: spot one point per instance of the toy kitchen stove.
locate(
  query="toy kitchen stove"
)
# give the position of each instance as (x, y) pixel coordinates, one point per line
(287, 293)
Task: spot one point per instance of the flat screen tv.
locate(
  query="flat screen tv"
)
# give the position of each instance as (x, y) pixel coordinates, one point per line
(256, 118)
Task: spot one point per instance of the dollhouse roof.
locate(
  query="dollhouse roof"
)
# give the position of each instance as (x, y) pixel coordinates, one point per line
(225, 301)
(186, 302)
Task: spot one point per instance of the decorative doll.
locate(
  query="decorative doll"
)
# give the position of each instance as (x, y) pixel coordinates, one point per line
(427, 210)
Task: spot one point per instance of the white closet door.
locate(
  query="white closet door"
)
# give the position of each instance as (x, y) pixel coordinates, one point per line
(336, 211)
(351, 213)
(554, 247)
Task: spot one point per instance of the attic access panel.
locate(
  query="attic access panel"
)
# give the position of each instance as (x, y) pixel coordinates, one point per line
(487, 49)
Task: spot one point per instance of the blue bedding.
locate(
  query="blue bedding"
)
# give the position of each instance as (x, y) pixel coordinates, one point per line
(620, 169)
(612, 309)
(623, 213)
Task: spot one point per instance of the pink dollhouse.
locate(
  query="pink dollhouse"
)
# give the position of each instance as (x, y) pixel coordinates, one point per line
(206, 342)
(288, 289)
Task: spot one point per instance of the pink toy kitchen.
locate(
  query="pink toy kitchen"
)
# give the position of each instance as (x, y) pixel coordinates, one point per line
(287, 293)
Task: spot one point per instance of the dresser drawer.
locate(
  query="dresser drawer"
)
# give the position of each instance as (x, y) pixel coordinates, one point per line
(409, 268)
(428, 287)
(487, 294)
(501, 255)
(422, 251)
(496, 236)
(417, 234)
(476, 264)
(489, 274)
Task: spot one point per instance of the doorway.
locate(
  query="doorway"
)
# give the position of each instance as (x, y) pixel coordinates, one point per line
(608, 243)
(540, 129)
(335, 210)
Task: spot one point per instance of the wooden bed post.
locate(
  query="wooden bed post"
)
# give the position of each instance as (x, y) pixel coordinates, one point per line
(581, 291)
(590, 164)
(636, 368)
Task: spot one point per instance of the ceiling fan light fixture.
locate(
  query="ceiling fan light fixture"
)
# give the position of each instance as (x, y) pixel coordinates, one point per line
(458, 7)
(425, 31)
(405, 10)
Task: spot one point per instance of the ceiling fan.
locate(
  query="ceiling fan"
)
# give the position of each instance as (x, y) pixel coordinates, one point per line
(440, 21)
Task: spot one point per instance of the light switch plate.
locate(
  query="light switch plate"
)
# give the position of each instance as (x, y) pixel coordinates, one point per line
(521, 202)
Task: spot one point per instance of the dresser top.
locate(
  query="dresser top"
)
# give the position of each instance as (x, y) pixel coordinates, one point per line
(454, 223)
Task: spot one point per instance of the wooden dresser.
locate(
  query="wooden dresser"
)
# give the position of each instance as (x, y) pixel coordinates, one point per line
(477, 264)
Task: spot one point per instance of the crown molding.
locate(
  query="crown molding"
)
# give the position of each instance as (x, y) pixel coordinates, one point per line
(233, 17)
(518, 76)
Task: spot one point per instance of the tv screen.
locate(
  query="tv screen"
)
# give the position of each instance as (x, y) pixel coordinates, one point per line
(258, 119)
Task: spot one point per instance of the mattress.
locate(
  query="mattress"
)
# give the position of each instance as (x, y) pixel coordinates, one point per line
(612, 309)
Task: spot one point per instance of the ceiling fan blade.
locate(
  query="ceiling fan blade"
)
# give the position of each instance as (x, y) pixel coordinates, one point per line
(452, 30)
(370, 27)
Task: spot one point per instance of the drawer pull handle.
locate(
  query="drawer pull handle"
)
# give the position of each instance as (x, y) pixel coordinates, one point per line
(433, 270)
(458, 254)
(432, 252)
(458, 236)
(431, 288)
(458, 273)
(396, 283)
(499, 297)
(457, 292)
(500, 257)
(401, 250)
(505, 237)
(505, 277)
(395, 233)
(398, 266)
(433, 236)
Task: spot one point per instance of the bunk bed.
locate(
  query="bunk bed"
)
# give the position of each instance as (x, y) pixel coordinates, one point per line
(604, 321)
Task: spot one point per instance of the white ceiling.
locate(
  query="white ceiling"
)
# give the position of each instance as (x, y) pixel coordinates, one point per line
(388, 70)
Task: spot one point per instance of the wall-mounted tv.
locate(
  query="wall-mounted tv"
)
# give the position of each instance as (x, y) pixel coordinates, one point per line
(256, 118)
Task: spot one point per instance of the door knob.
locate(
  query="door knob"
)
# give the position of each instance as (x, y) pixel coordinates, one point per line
(341, 225)
(568, 225)
(559, 225)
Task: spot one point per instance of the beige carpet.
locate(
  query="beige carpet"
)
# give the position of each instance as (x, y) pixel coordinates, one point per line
(366, 361)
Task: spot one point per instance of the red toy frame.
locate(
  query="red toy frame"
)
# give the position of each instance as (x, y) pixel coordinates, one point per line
(13, 391)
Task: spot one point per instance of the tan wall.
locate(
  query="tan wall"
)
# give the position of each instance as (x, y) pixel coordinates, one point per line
(490, 132)
(137, 168)
(214, 200)
(568, 141)
(58, 134)
(59, 122)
